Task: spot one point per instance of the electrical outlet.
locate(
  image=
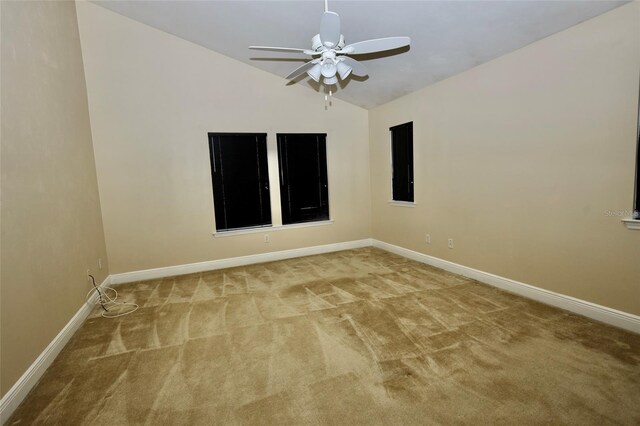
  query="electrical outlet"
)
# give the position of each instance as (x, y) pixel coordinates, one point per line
(100, 263)
(267, 238)
(428, 238)
(450, 243)
(88, 273)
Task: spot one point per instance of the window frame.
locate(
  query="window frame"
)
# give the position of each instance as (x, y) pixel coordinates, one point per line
(263, 176)
(636, 195)
(393, 200)
(633, 222)
(283, 175)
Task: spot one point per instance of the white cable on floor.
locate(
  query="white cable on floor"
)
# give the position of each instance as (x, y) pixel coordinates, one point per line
(105, 301)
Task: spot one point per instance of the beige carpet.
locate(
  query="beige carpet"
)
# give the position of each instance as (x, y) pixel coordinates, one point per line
(354, 337)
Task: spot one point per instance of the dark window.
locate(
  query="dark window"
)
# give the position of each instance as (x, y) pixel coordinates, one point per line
(240, 180)
(303, 177)
(636, 202)
(402, 161)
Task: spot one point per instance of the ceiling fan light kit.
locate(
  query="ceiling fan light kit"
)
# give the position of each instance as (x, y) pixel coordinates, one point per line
(343, 70)
(331, 52)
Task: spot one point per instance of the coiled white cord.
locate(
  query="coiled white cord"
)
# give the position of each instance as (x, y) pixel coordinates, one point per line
(106, 301)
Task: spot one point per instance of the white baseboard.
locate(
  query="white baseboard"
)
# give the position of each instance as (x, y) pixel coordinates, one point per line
(191, 268)
(21, 388)
(12, 399)
(600, 313)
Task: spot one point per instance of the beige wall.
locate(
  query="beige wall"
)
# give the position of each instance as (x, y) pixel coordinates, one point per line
(153, 97)
(51, 224)
(518, 160)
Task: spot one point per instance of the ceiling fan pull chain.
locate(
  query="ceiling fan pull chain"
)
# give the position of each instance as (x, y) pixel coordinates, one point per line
(328, 100)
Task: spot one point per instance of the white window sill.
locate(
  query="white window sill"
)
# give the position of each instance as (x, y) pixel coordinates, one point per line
(265, 229)
(402, 203)
(633, 224)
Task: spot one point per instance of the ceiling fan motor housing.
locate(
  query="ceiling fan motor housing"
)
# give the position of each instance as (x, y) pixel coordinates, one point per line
(317, 46)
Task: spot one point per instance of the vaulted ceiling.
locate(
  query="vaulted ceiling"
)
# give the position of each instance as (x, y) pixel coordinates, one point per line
(448, 37)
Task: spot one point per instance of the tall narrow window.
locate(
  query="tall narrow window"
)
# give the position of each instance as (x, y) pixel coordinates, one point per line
(636, 202)
(402, 161)
(240, 180)
(303, 177)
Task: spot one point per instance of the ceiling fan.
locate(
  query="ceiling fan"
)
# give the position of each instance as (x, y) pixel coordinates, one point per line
(331, 52)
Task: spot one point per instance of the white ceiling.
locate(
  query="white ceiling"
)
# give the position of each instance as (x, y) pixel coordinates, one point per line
(448, 37)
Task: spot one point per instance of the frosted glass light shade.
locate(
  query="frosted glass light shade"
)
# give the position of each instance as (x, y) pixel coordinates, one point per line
(328, 69)
(330, 80)
(343, 70)
(314, 72)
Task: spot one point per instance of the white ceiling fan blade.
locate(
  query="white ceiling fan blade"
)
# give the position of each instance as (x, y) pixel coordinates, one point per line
(356, 67)
(330, 29)
(284, 49)
(375, 45)
(301, 70)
